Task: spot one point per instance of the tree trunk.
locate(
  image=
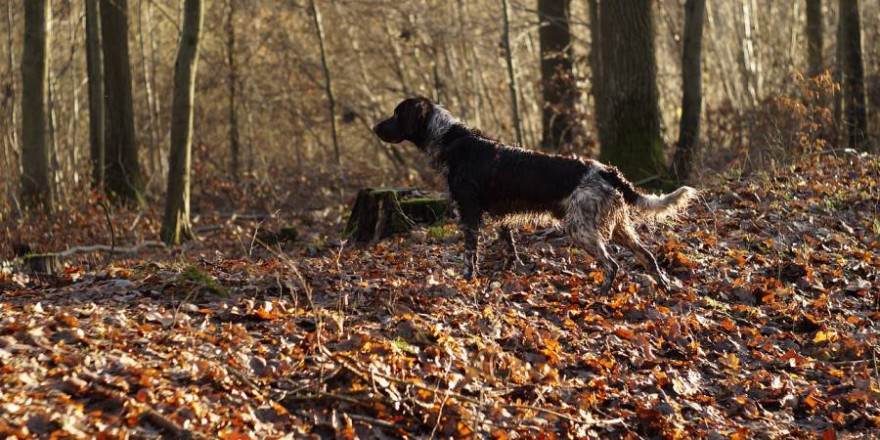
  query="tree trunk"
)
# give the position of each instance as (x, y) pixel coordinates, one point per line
(328, 83)
(630, 127)
(692, 87)
(234, 143)
(36, 180)
(122, 173)
(596, 67)
(511, 75)
(96, 93)
(814, 37)
(855, 117)
(153, 151)
(176, 225)
(557, 77)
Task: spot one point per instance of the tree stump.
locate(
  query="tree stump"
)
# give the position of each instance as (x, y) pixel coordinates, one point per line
(380, 212)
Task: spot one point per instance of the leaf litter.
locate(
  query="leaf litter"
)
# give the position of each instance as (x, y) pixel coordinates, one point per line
(771, 332)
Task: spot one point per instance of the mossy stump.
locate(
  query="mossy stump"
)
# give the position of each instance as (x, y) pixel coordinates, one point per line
(380, 212)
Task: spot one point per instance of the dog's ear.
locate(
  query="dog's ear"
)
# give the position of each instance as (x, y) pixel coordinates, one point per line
(417, 114)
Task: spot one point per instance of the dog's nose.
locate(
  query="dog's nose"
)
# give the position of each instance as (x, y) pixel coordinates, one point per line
(376, 128)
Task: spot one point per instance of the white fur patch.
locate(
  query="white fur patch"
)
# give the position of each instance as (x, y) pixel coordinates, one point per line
(439, 122)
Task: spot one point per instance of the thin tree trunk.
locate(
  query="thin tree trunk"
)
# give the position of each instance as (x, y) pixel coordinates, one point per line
(36, 178)
(73, 122)
(511, 75)
(631, 137)
(10, 141)
(123, 178)
(692, 85)
(748, 54)
(54, 148)
(596, 67)
(234, 143)
(96, 92)
(814, 37)
(328, 82)
(853, 68)
(557, 76)
(156, 117)
(176, 223)
(152, 127)
(397, 58)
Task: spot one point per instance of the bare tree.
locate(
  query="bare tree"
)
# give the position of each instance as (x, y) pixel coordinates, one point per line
(692, 96)
(557, 76)
(629, 131)
(511, 75)
(328, 82)
(853, 69)
(176, 223)
(122, 172)
(234, 143)
(36, 179)
(96, 92)
(814, 37)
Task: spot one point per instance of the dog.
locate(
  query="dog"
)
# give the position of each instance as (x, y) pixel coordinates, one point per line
(493, 182)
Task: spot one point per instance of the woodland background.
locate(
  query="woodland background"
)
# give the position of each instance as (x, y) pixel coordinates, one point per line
(262, 60)
(269, 324)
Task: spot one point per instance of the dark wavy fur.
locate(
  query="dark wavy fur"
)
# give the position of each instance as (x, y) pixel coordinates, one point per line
(490, 180)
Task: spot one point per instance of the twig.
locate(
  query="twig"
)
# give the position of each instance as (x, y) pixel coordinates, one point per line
(148, 413)
(111, 249)
(375, 421)
(112, 233)
(350, 364)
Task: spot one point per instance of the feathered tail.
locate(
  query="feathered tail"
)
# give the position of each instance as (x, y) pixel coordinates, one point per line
(657, 206)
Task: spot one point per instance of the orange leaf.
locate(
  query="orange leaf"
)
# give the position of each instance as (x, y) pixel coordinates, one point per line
(728, 325)
(624, 333)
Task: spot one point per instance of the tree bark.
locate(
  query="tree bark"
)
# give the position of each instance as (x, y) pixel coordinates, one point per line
(96, 92)
(511, 75)
(629, 130)
(814, 37)
(123, 177)
(328, 82)
(692, 87)
(855, 116)
(234, 143)
(596, 67)
(152, 123)
(557, 76)
(176, 224)
(36, 178)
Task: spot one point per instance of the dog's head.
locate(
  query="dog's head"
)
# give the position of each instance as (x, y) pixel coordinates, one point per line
(409, 122)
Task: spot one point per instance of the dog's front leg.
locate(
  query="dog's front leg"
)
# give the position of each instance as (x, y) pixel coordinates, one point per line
(471, 217)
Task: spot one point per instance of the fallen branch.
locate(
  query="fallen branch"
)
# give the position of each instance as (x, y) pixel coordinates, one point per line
(111, 249)
(49, 263)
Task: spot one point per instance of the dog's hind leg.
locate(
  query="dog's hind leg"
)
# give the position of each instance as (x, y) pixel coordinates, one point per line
(625, 235)
(592, 242)
(509, 238)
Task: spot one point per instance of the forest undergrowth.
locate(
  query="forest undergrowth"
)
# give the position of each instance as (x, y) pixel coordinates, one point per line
(770, 332)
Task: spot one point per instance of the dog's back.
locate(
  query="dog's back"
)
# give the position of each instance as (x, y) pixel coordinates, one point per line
(508, 180)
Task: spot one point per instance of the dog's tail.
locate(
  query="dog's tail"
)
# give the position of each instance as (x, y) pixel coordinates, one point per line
(658, 206)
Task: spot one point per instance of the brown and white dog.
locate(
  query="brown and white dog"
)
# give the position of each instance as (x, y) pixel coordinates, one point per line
(492, 181)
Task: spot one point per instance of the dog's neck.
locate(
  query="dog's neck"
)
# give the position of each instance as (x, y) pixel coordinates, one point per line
(440, 121)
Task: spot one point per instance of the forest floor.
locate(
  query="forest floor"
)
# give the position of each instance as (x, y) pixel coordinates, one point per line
(771, 332)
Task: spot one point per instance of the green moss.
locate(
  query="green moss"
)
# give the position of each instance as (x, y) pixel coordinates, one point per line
(438, 232)
(204, 280)
(288, 233)
(404, 346)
